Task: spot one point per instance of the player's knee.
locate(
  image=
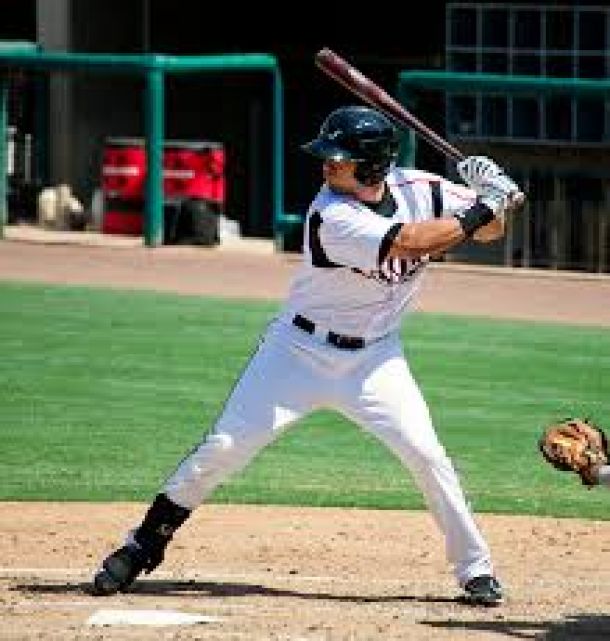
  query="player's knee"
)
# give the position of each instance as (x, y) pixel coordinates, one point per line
(228, 453)
(235, 445)
(212, 452)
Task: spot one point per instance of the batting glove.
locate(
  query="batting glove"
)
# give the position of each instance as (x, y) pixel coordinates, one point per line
(478, 172)
(497, 200)
(493, 187)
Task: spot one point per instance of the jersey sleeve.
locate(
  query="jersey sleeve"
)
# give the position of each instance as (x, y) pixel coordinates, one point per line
(358, 238)
(431, 196)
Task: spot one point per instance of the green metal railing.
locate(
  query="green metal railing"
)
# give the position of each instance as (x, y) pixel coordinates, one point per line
(154, 68)
(507, 85)
(487, 83)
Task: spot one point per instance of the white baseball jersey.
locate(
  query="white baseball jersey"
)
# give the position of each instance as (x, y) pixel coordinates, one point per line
(308, 359)
(346, 283)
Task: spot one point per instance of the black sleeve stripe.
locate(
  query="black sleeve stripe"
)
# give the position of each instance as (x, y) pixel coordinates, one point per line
(437, 198)
(387, 240)
(318, 255)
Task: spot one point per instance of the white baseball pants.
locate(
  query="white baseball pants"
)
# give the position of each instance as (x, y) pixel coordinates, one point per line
(293, 373)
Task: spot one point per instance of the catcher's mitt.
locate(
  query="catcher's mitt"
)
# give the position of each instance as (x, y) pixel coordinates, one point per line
(575, 445)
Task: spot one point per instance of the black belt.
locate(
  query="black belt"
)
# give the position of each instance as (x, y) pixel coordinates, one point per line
(338, 340)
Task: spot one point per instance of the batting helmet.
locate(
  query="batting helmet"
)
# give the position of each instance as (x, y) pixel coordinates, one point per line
(362, 135)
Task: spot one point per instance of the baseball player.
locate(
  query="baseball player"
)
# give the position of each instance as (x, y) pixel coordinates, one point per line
(368, 237)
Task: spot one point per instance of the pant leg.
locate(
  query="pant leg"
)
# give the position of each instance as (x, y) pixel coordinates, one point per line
(384, 399)
(275, 389)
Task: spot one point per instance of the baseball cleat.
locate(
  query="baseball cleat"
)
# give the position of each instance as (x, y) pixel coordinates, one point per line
(483, 590)
(119, 571)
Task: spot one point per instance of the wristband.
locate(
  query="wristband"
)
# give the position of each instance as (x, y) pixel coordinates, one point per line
(474, 218)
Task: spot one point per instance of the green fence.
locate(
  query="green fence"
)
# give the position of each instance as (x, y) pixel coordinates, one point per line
(154, 68)
(487, 83)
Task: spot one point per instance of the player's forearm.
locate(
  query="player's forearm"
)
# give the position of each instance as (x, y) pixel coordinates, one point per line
(432, 237)
(428, 237)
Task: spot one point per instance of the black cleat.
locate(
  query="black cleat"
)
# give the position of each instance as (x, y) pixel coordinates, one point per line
(119, 570)
(144, 550)
(483, 590)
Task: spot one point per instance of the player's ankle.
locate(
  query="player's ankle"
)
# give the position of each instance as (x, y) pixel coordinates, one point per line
(163, 518)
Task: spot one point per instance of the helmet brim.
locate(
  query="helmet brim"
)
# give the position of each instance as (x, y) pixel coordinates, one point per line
(326, 150)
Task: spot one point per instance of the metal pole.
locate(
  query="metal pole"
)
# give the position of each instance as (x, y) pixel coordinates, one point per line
(509, 241)
(41, 130)
(604, 232)
(154, 124)
(526, 222)
(3, 151)
(278, 150)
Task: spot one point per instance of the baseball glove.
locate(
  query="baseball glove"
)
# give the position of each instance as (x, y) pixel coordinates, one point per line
(575, 445)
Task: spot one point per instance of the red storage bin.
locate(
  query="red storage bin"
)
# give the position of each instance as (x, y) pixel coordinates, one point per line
(124, 168)
(194, 170)
(191, 169)
(129, 223)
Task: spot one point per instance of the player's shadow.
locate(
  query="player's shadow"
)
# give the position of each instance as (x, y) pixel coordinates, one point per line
(592, 627)
(223, 589)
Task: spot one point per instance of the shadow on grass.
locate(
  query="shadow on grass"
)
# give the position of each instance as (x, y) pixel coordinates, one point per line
(589, 627)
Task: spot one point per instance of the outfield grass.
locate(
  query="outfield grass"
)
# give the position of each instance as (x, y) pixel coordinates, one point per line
(102, 392)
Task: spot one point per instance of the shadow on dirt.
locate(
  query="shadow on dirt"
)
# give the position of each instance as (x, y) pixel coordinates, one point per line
(224, 589)
(591, 627)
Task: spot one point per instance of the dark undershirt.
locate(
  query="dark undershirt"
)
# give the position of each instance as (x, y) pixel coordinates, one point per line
(386, 207)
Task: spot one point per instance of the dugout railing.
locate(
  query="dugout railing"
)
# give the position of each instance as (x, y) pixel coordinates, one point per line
(153, 68)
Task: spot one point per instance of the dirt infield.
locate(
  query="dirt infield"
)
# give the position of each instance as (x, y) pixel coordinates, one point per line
(307, 574)
(293, 573)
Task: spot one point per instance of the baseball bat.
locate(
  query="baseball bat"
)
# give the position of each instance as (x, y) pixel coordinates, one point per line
(345, 74)
(356, 82)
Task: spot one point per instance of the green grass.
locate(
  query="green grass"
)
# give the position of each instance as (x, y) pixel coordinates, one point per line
(102, 392)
